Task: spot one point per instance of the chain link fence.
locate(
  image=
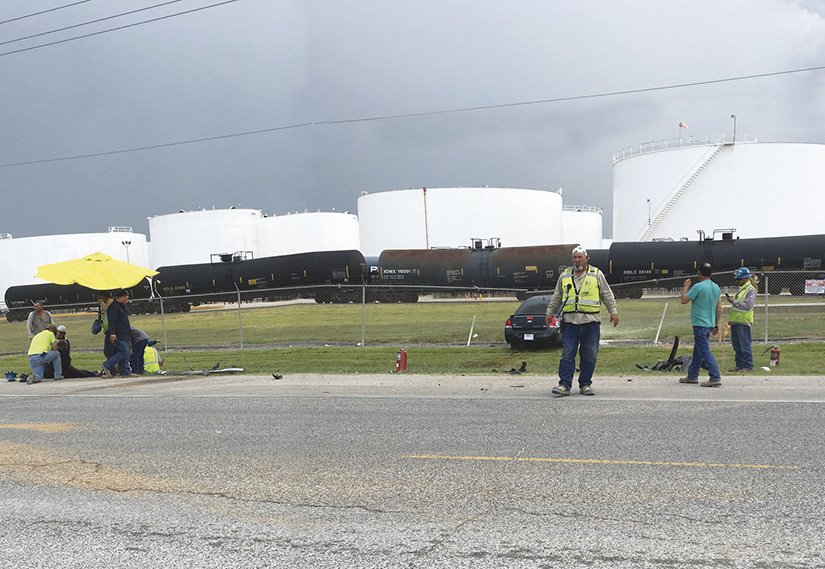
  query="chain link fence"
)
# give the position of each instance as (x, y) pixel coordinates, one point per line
(790, 306)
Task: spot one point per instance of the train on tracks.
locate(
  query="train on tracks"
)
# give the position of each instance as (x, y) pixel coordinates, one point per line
(400, 275)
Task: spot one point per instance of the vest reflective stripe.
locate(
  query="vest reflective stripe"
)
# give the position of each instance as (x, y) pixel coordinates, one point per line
(741, 316)
(151, 360)
(588, 300)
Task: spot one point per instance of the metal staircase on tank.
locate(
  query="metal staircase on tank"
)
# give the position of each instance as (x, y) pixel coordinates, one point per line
(654, 223)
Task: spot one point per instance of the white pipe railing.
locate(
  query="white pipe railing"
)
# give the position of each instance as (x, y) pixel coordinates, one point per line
(671, 143)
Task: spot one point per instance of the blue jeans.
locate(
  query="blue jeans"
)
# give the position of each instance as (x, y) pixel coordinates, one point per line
(136, 360)
(584, 339)
(121, 356)
(38, 363)
(701, 354)
(740, 337)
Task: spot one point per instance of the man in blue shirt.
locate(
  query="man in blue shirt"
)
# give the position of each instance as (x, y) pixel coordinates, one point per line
(705, 315)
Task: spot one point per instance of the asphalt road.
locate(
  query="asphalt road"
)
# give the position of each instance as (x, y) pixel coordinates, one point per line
(412, 472)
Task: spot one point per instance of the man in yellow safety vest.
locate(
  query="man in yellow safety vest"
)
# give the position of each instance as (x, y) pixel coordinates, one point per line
(579, 294)
(741, 319)
(152, 360)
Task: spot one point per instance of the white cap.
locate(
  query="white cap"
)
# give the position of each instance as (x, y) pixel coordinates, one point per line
(61, 328)
(580, 249)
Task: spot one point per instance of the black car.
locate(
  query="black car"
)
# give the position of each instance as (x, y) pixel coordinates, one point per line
(528, 325)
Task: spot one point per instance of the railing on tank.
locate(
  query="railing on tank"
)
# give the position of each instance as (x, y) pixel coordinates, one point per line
(671, 143)
(584, 208)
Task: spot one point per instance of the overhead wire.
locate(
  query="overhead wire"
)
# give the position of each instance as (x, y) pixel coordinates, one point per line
(579, 97)
(43, 12)
(132, 25)
(97, 21)
(154, 146)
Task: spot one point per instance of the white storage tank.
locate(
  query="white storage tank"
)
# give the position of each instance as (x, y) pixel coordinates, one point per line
(19, 258)
(583, 225)
(758, 189)
(306, 232)
(190, 237)
(450, 217)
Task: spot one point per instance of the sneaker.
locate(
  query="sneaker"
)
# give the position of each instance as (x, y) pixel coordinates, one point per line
(712, 383)
(586, 390)
(33, 379)
(58, 378)
(561, 390)
(688, 380)
(105, 372)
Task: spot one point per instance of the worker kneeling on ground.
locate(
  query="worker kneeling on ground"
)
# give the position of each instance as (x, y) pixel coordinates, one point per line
(152, 360)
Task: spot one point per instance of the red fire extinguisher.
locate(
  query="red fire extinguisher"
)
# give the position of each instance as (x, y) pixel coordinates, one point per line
(774, 356)
(401, 360)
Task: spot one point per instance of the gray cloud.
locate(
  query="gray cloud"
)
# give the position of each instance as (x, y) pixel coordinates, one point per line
(259, 64)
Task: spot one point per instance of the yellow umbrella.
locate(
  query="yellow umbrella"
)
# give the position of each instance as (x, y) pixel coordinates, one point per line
(96, 271)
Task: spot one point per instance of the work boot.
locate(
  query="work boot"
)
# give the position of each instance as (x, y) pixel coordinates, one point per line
(688, 380)
(586, 390)
(712, 383)
(561, 390)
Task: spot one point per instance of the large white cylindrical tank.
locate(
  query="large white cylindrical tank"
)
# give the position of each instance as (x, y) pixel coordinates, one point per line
(582, 225)
(19, 258)
(450, 217)
(758, 189)
(305, 232)
(191, 237)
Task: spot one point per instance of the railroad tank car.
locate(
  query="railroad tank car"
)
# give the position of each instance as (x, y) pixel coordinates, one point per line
(533, 268)
(221, 280)
(239, 272)
(19, 299)
(599, 258)
(660, 260)
(650, 261)
(403, 274)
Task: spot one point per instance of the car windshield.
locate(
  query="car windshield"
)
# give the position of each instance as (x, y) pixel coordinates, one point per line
(535, 305)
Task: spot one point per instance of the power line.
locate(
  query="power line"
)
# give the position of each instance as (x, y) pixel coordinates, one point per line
(89, 22)
(44, 11)
(117, 28)
(415, 115)
(579, 97)
(153, 146)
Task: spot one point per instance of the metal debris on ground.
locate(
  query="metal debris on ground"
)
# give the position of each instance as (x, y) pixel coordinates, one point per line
(672, 363)
(514, 371)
